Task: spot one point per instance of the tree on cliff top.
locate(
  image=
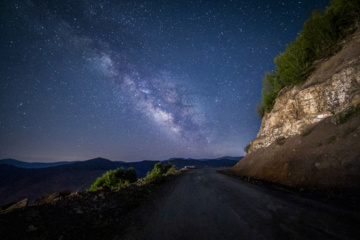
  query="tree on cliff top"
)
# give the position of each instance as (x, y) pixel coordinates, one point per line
(318, 39)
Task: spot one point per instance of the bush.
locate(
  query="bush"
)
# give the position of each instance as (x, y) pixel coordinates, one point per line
(246, 149)
(155, 174)
(271, 87)
(158, 172)
(293, 65)
(318, 39)
(260, 110)
(170, 169)
(130, 175)
(114, 179)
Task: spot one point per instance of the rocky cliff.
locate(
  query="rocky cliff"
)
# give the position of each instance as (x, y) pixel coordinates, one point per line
(311, 136)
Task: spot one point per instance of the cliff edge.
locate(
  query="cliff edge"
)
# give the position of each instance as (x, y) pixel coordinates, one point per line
(311, 138)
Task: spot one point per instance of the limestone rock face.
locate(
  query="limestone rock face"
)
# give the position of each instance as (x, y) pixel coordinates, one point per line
(332, 88)
(311, 138)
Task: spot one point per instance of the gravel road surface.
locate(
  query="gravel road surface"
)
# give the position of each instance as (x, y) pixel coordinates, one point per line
(203, 204)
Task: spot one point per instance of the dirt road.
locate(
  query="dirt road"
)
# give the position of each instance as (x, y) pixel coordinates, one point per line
(204, 204)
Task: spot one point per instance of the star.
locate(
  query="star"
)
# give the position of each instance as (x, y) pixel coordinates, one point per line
(134, 80)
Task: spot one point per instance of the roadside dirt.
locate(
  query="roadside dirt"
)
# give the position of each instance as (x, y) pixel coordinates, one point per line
(325, 158)
(80, 215)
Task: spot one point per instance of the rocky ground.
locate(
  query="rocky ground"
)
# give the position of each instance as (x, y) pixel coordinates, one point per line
(81, 215)
(324, 158)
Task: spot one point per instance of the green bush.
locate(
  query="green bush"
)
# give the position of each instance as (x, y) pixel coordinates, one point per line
(130, 175)
(171, 170)
(246, 149)
(114, 179)
(293, 65)
(159, 171)
(260, 110)
(156, 173)
(318, 39)
(271, 87)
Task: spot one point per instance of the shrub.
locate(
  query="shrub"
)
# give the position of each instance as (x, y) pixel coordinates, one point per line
(158, 172)
(155, 174)
(114, 179)
(130, 175)
(293, 65)
(260, 110)
(246, 149)
(271, 87)
(170, 169)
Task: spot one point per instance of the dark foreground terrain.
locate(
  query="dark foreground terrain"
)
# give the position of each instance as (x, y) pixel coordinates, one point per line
(199, 204)
(19, 180)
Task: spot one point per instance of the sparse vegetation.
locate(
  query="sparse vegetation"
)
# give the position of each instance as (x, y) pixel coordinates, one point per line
(246, 149)
(331, 139)
(170, 169)
(318, 39)
(346, 115)
(260, 110)
(119, 178)
(158, 172)
(114, 179)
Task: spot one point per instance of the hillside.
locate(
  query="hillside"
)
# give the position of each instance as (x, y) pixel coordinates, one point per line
(311, 137)
(79, 215)
(22, 164)
(19, 183)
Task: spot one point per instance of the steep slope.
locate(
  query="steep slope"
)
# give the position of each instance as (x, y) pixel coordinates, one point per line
(311, 138)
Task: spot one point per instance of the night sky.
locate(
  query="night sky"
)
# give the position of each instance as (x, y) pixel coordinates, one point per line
(135, 80)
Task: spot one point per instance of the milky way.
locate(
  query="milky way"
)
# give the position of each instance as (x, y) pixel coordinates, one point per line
(134, 80)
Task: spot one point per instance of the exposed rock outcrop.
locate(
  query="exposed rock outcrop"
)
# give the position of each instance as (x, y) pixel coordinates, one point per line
(18, 205)
(332, 88)
(311, 138)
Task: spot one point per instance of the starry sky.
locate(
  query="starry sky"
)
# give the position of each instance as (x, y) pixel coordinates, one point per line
(135, 80)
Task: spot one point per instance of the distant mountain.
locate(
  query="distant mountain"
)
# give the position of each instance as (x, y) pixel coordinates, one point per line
(230, 158)
(21, 164)
(203, 163)
(18, 180)
(17, 183)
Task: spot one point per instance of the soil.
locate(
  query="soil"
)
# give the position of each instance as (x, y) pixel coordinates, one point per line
(80, 215)
(325, 157)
